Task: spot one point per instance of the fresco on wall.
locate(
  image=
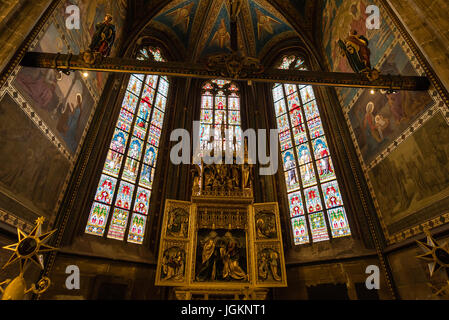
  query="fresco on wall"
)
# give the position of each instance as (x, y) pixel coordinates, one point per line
(65, 103)
(377, 120)
(340, 17)
(32, 167)
(412, 184)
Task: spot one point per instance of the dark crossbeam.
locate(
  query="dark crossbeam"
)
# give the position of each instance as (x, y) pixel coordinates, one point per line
(189, 70)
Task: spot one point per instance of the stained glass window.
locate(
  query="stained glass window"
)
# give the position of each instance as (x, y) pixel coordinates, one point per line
(315, 201)
(220, 111)
(122, 201)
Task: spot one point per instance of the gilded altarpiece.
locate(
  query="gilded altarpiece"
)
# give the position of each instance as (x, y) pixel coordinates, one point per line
(221, 244)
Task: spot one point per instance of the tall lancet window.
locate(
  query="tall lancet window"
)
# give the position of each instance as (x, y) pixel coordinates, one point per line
(220, 110)
(121, 206)
(316, 206)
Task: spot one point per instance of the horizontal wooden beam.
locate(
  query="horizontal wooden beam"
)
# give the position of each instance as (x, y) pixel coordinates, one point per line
(188, 70)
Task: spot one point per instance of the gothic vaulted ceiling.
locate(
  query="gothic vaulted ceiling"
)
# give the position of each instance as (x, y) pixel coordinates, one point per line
(202, 27)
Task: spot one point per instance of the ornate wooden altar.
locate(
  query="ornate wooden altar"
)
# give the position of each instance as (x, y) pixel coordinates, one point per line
(221, 245)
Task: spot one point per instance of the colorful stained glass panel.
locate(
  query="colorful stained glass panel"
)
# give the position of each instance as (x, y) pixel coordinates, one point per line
(140, 129)
(300, 135)
(130, 170)
(148, 95)
(283, 123)
(98, 218)
(307, 94)
(308, 175)
(144, 111)
(119, 140)
(295, 203)
(220, 102)
(289, 160)
(161, 102)
(291, 178)
(152, 81)
(296, 117)
(280, 107)
(142, 201)
(130, 102)
(206, 116)
(105, 190)
(137, 228)
(293, 101)
(150, 156)
(124, 121)
(154, 136)
(290, 88)
(315, 128)
(163, 88)
(304, 155)
(313, 200)
(311, 110)
(113, 163)
(234, 117)
(118, 224)
(318, 227)
(320, 148)
(278, 93)
(338, 222)
(146, 177)
(124, 195)
(326, 170)
(332, 195)
(158, 118)
(300, 234)
(234, 103)
(134, 85)
(135, 148)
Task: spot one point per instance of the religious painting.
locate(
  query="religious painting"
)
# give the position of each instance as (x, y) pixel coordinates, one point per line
(221, 256)
(412, 184)
(178, 223)
(179, 18)
(220, 36)
(377, 120)
(32, 169)
(266, 25)
(265, 225)
(64, 104)
(173, 264)
(269, 268)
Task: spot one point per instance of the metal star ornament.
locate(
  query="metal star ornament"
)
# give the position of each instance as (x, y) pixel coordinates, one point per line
(30, 247)
(437, 256)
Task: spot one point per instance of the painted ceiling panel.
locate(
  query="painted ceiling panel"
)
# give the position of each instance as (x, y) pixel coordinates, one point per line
(203, 26)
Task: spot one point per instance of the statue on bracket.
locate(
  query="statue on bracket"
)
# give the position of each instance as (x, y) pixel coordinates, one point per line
(355, 48)
(102, 41)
